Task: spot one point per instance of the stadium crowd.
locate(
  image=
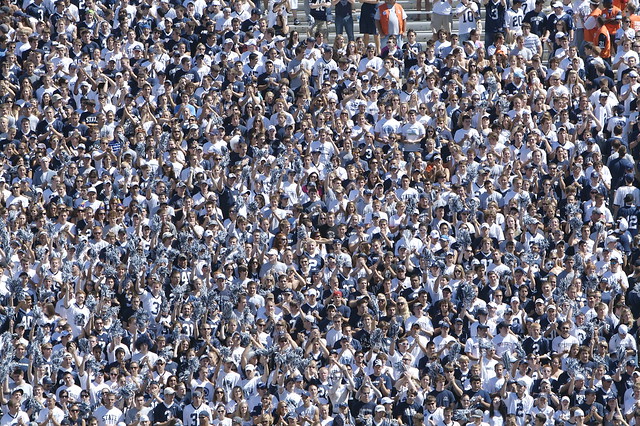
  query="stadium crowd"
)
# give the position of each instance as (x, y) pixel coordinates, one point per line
(210, 218)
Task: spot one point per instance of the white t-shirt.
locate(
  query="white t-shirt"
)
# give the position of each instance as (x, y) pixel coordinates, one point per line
(108, 417)
(58, 416)
(413, 132)
(521, 407)
(513, 20)
(560, 344)
(394, 24)
(504, 344)
(467, 21)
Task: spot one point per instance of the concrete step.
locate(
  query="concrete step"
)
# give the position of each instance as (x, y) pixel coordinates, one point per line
(416, 20)
(421, 27)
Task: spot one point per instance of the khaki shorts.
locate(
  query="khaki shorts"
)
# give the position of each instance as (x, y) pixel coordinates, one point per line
(440, 22)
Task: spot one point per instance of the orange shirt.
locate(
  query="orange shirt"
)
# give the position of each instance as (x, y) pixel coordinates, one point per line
(620, 4)
(589, 34)
(610, 14)
(604, 45)
(384, 17)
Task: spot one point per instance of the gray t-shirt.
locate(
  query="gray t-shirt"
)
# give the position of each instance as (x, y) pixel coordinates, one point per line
(294, 66)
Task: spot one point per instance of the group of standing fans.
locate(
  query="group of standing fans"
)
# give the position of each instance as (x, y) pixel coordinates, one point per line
(208, 217)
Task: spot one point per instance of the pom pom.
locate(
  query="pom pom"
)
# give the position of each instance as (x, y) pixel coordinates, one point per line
(247, 318)
(376, 339)
(116, 329)
(33, 405)
(563, 284)
(531, 258)
(83, 345)
(572, 366)
(434, 369)
(178, 292)
(225, 352)
(226, 159)
(510, 260)
(128, 390)
(506, 276)
(142, 318)
(573, 209)
(427, 255)
(485, 344)
(468, 294)
(199, 310)
(412, 205)
(473, 204)
(506, 361)
(93, 365)
(543, 243)
(7, 354)
(463, 238)
(301, 233)
(106, 292)
(156, 224)
(91, 302)
(598, 227)
(41, 253)
(394, 329)
(112, 255)
(221, 236)
(529, 220)
(455, 352)
(472, 171)
(245, 339)
(85, 410)
(24, 236)
(575, 223)
(56, 361)
(590, 282)
(16, 289)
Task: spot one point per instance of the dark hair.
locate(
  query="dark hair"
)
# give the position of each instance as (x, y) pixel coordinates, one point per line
(501, 409)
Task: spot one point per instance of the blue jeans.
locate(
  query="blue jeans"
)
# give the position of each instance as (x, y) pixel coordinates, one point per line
(345, 23)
